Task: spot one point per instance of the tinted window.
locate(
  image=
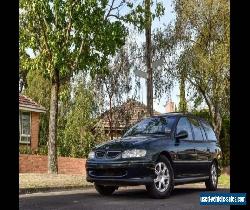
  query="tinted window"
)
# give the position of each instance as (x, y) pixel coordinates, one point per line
(196, 128)
(155, 125)
(184, 124)
(209, 131)
(203, 131)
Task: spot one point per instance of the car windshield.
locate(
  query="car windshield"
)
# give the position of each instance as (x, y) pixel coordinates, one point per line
(155, 125)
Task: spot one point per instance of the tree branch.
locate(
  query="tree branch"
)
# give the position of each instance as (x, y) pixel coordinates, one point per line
(110, 9)
(70, 23)
(116, 16)
(208, 101)
(45, 36)
(80, 52)
(114, 8)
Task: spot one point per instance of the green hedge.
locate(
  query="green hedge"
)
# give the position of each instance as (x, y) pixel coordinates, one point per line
(25, 149)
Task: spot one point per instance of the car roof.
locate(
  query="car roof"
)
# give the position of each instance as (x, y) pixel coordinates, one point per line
(175, 114)
(178, 114)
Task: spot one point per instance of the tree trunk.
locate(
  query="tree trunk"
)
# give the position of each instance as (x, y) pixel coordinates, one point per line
(52, 153)
(183, 102)
(149, 58)
(214, 113)
(110, 119)
(217, 122)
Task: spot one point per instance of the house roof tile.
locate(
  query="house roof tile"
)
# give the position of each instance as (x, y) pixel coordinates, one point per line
(27, 103)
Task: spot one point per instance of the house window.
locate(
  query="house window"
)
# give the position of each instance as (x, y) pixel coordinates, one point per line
(24, 126)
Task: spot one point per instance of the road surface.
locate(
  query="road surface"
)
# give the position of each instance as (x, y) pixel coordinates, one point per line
(125, 198)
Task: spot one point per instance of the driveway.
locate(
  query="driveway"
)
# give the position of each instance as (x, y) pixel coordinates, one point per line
(183, 197)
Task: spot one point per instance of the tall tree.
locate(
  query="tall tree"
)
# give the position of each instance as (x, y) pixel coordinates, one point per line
(183, 101)
(116, 83)
(199, 44)
(65, 37)
(148, 56)
(142, 16)
(203, 28)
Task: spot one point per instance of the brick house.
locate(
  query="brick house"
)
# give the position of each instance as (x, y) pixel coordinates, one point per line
(124, 116)
(29, 112)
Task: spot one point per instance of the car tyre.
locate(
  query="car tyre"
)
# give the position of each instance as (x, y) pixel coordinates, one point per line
(163, 182)
(212, 182)
(105, 190)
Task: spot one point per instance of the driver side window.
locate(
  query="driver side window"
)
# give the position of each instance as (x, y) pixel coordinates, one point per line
(184, 124)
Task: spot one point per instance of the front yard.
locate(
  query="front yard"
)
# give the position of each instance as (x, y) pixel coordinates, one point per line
(224, 181)
(39, 181)
(35, 180)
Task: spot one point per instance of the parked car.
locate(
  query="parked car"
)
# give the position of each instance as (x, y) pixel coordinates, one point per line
(158, 152)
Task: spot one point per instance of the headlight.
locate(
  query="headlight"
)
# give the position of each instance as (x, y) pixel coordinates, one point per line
(134, 153)
(91, 155)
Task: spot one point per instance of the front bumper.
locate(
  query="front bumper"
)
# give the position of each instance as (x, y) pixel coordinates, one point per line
(120, 172)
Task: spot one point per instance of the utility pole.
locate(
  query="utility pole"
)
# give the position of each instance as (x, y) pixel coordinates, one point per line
(149, 57)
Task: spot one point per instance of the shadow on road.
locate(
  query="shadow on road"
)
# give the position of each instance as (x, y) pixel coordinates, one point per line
(125, 198)
(132, 193)
(142, 193)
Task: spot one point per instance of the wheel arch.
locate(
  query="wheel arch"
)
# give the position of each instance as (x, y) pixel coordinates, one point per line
(168, 156)
(215, 161)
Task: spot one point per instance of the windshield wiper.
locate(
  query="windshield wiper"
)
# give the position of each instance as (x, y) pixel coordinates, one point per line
(134, 134)
(160, 133)
(155, 133)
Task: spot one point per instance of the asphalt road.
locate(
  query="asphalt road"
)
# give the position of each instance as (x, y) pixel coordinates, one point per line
(125, 198)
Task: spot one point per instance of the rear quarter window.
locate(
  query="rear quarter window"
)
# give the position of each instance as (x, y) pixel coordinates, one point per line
(209, 131)
(197, 129)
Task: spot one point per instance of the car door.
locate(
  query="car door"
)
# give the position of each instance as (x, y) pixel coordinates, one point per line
(201, 147)
(211, 143)
(185, 150)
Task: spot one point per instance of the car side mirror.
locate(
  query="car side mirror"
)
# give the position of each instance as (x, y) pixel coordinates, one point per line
(181, 135)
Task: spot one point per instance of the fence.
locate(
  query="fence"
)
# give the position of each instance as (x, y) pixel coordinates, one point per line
(39, 164)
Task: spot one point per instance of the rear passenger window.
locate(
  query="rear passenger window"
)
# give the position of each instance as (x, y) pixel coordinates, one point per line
(209, 131)
(203, 131)
(197, 129)
(184, 124)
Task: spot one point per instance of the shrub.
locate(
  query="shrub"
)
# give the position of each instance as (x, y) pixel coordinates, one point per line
(26, 149)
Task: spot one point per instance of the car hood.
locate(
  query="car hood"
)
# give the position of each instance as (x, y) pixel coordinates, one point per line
(129, 142)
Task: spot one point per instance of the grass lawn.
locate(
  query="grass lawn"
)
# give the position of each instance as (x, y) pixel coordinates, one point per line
(32, 180)
(224, 181)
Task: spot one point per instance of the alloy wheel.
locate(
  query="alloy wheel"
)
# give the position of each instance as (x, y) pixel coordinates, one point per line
(214, 174)
(162, 177)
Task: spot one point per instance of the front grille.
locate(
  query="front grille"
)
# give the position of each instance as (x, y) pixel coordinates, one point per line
(107, 154)
(113, 154)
